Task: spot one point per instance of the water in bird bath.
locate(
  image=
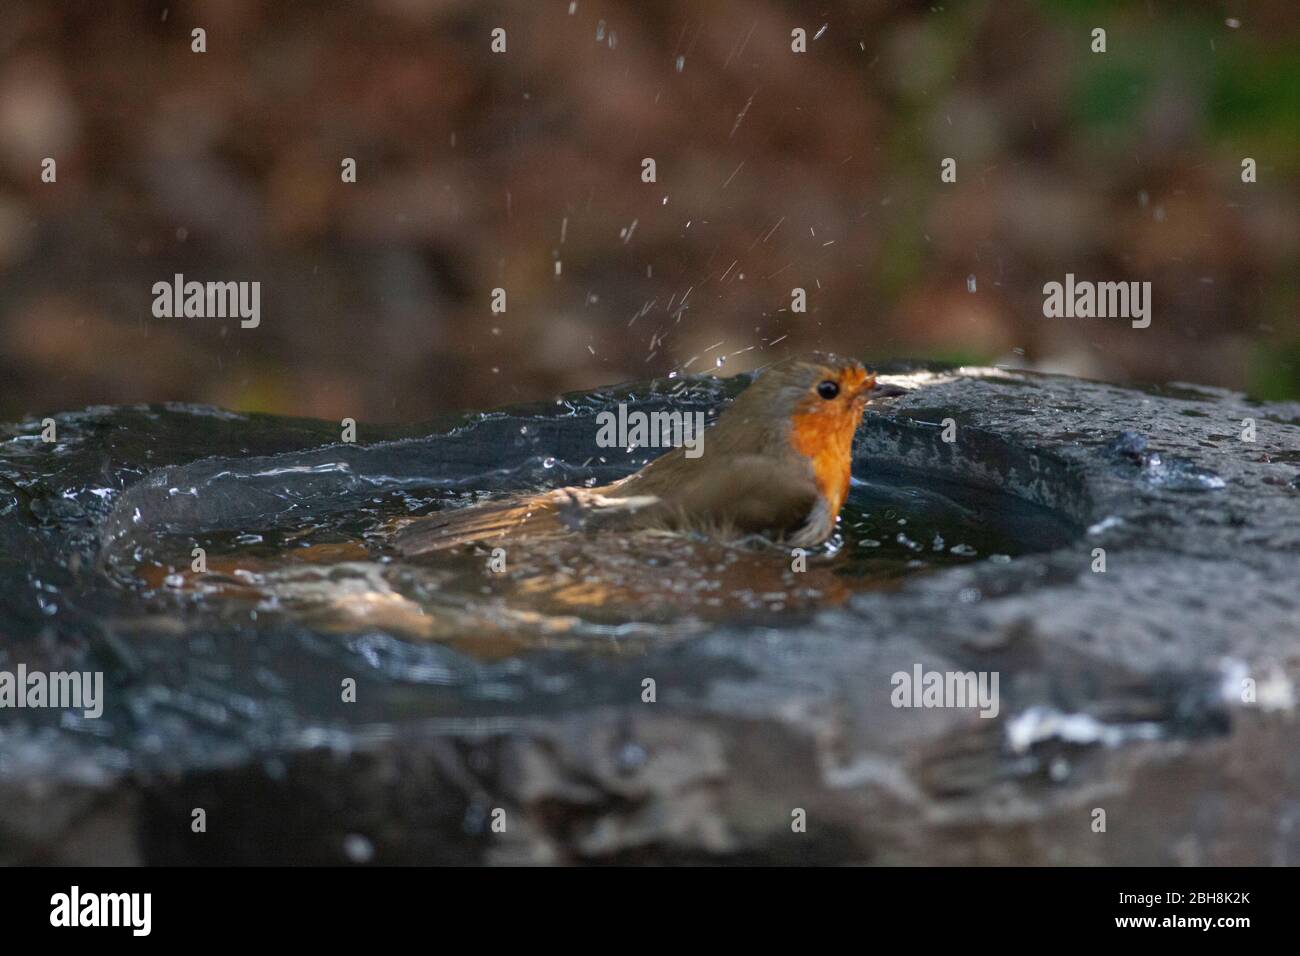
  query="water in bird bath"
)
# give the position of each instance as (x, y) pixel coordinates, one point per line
(337, 570)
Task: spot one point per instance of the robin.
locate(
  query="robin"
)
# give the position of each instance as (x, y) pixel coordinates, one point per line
(776, 464)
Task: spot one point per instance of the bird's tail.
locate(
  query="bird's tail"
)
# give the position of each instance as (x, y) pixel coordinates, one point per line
(478, 524)
(571, 509)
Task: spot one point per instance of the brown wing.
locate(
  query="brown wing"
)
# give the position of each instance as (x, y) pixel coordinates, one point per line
(752, 494)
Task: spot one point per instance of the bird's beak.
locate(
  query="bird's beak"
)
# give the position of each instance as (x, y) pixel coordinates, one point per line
(869, 389)
(881, 390)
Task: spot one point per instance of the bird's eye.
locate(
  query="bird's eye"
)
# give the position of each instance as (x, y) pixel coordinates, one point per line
(828, 390)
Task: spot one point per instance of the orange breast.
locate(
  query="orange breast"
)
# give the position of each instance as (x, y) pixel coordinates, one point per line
(826, 438)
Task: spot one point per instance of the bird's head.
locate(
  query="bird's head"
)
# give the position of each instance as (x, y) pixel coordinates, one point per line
(810, 405)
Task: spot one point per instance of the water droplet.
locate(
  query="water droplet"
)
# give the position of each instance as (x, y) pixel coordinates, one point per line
(970, 283)
(358, 849)
(907, 542)
(631, 757)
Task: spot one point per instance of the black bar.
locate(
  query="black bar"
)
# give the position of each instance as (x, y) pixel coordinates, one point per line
(331, 906)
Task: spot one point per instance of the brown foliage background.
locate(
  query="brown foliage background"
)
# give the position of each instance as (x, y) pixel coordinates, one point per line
(775, 170)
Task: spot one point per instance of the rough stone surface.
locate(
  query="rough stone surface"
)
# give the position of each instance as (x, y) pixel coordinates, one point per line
(1120, 691)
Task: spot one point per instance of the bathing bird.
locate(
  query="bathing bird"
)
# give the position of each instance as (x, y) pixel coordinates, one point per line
(775, 464)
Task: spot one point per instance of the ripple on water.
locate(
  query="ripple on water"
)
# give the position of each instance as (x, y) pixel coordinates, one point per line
(336, 571)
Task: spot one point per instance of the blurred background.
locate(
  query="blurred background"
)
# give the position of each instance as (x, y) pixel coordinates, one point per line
(523, 170)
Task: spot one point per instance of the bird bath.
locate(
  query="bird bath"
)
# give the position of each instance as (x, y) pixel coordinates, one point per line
(524, 689)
